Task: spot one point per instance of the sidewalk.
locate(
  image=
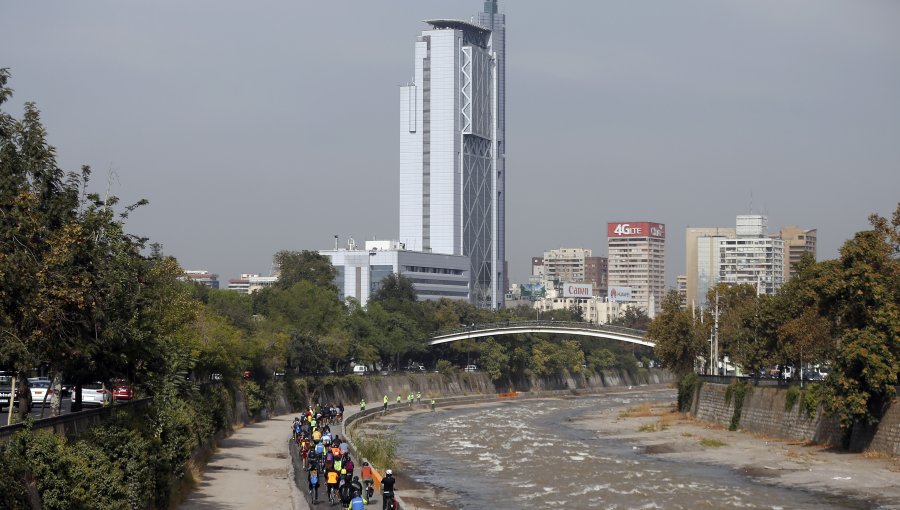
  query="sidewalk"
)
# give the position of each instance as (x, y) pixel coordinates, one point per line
(250, 471)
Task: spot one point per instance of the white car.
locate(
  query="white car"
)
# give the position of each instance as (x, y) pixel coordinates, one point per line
(39, 389)
(471, 368)
(95, 394)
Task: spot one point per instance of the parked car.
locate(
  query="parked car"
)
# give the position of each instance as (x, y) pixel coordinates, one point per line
(360, 370)
(121, 390)
(40, 388)
(95, 394)
(471, 368)
(6, 392)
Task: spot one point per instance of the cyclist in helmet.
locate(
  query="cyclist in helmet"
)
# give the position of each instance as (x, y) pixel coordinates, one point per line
(387, 489)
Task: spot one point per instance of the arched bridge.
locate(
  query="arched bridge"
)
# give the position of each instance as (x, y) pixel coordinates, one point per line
(634, 336)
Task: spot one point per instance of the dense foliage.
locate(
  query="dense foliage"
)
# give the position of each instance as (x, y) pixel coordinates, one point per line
(842, 313)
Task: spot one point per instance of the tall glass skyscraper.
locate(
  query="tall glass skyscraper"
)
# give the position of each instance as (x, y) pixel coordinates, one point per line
(452, 147)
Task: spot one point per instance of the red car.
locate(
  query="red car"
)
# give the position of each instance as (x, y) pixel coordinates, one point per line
(122, 391)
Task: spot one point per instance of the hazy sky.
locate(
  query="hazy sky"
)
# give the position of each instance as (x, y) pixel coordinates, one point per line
(259, 126)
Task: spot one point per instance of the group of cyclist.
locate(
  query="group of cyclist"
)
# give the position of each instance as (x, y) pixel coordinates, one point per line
(326, 457)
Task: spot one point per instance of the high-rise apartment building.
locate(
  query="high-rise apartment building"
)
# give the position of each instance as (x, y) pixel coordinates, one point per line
(745, 254)
(452, 146)
(202, 277)
(571, 265)
(797, 242)
(701, 258)
(637, 262)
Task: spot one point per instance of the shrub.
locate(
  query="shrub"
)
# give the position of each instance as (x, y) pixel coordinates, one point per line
(711, 443)
(737, 391)
(790, 397)
(379, 449)
(687, 387)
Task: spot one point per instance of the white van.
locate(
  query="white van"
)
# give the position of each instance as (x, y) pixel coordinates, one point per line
(360, 370)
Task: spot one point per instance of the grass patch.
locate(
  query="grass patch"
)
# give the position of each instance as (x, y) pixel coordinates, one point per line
(711, 443)
(379, 449)
(687, 434)
(654, 427)
(640, 411)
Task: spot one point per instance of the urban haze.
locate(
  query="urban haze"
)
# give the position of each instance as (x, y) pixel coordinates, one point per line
(253, 127)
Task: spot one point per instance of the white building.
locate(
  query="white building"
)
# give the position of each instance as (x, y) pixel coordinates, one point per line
(752, 257)
(249, 283)
(452, 149)
(434, 275)
(744, 254)
(203, 277)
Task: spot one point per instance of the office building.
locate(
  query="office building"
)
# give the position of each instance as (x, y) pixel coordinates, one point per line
(202, 277)
(434, 275)
(249, 283)
(797, 242)
(452, 146)
(637, 263)
(701, 260)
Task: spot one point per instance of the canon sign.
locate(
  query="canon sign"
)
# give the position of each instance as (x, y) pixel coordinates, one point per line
(636, 229)
(582, 290)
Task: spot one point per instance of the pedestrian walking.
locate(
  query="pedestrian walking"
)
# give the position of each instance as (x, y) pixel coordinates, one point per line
(362, 404)
(385, 404)
(418, 397)
(432, 405)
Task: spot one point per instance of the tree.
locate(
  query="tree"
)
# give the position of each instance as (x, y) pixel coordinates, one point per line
(677, 343)
(395, 289)
(494, 359)
(634, 318)
(306, 265)
(862, 296)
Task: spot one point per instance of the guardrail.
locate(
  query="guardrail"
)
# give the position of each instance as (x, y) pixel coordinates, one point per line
(73, 424)
(525, 324)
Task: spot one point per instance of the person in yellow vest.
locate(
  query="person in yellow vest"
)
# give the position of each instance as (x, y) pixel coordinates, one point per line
(385, 404)
(362, 404)
(316, 435)
(432, 405)
(399, 400)
(418, 397)
(331, 478)
(409, 399)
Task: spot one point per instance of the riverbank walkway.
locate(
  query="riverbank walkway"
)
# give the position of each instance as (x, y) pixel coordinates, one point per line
(251, 470)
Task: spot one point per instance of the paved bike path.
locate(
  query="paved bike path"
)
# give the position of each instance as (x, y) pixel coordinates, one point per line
(251, 470)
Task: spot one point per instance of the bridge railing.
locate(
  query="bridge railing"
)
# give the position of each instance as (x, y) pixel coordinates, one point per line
(548, 324)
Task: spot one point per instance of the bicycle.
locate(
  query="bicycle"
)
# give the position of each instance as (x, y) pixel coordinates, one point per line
(332, 494)
(388, 501)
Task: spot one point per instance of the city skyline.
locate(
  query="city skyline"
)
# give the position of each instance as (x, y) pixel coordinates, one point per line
(622, 111)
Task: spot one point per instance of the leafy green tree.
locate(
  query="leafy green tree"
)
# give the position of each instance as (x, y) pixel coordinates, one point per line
(678, 344)
(306, 265)
(394, 289)
(601, 359)
(634, 318)
(863, 299)
(494, 359)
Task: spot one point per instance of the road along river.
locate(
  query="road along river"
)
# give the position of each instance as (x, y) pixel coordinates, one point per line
(539, 454)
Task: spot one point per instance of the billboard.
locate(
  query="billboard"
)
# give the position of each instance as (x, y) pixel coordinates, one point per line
(578, 290)
(619, 294)
(636, 229)
(533, 291)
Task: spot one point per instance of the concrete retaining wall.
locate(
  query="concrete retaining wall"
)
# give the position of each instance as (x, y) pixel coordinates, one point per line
(434, 385)
(763, 412)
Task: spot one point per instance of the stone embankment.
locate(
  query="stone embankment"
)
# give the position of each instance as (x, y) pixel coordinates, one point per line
(764, 411)
(436, 385)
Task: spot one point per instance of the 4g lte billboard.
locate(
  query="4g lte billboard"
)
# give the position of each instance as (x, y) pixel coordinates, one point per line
(636, 229)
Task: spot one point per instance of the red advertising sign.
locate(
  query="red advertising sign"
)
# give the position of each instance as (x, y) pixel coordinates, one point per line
(636, 229)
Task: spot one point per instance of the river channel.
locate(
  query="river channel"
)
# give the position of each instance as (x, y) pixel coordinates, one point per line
(523, 454)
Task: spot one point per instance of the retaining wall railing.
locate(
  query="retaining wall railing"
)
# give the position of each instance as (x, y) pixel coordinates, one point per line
(72, 424)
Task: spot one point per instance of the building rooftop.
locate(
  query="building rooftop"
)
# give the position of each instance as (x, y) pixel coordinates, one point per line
(457, 24)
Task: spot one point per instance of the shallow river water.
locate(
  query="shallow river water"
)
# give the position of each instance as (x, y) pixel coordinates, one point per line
(523, 454)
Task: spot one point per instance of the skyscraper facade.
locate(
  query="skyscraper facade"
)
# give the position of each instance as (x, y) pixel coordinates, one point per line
(451, 148)
(637, 262)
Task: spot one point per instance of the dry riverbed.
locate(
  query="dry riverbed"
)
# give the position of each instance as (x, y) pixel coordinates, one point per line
(656, 429)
